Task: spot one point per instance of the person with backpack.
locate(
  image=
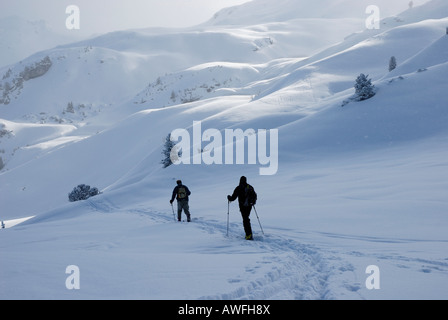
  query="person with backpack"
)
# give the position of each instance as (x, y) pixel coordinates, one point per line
(247, 197)
(181, 193)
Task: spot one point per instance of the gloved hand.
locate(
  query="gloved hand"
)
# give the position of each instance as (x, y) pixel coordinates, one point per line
(229, 197)
(171, 201)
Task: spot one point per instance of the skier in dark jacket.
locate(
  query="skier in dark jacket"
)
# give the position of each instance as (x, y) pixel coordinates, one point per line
(246, 199)
(181, 193)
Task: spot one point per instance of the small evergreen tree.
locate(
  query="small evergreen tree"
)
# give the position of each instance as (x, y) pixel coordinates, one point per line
(364, 88)
(392, 63)
(167, 150)
(70, 108)
(173, 96)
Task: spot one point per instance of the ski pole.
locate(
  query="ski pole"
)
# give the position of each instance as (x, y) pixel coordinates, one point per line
(174, 216)
(258, 220)
(228, 212)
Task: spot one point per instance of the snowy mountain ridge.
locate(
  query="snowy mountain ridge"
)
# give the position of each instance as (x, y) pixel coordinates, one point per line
(263, 11)
(357, 185)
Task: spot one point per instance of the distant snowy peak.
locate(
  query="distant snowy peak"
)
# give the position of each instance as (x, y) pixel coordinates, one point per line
(434, 9)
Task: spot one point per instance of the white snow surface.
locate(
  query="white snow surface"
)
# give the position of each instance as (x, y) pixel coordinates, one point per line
(357, 185)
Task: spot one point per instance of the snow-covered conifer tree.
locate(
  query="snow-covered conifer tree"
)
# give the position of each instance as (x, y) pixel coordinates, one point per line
(168, 146)
(392, 63)
(364, 88)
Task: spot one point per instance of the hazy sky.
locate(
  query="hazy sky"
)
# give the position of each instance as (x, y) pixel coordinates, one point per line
(98, 16)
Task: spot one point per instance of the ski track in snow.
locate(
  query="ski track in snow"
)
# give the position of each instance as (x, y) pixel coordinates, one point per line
(303, 272)
(293, 267)
(290, 264)
(302, 275)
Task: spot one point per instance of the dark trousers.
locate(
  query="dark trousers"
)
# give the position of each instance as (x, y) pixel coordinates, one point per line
(183, 205)
(245, 213)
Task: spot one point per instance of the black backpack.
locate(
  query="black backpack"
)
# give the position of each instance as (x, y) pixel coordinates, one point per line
(181, 193)
(251, 196)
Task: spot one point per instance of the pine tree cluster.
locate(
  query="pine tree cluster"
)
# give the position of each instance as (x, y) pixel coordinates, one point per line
(82, 192)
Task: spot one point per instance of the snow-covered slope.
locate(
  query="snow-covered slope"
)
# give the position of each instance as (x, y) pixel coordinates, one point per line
(357, 185)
